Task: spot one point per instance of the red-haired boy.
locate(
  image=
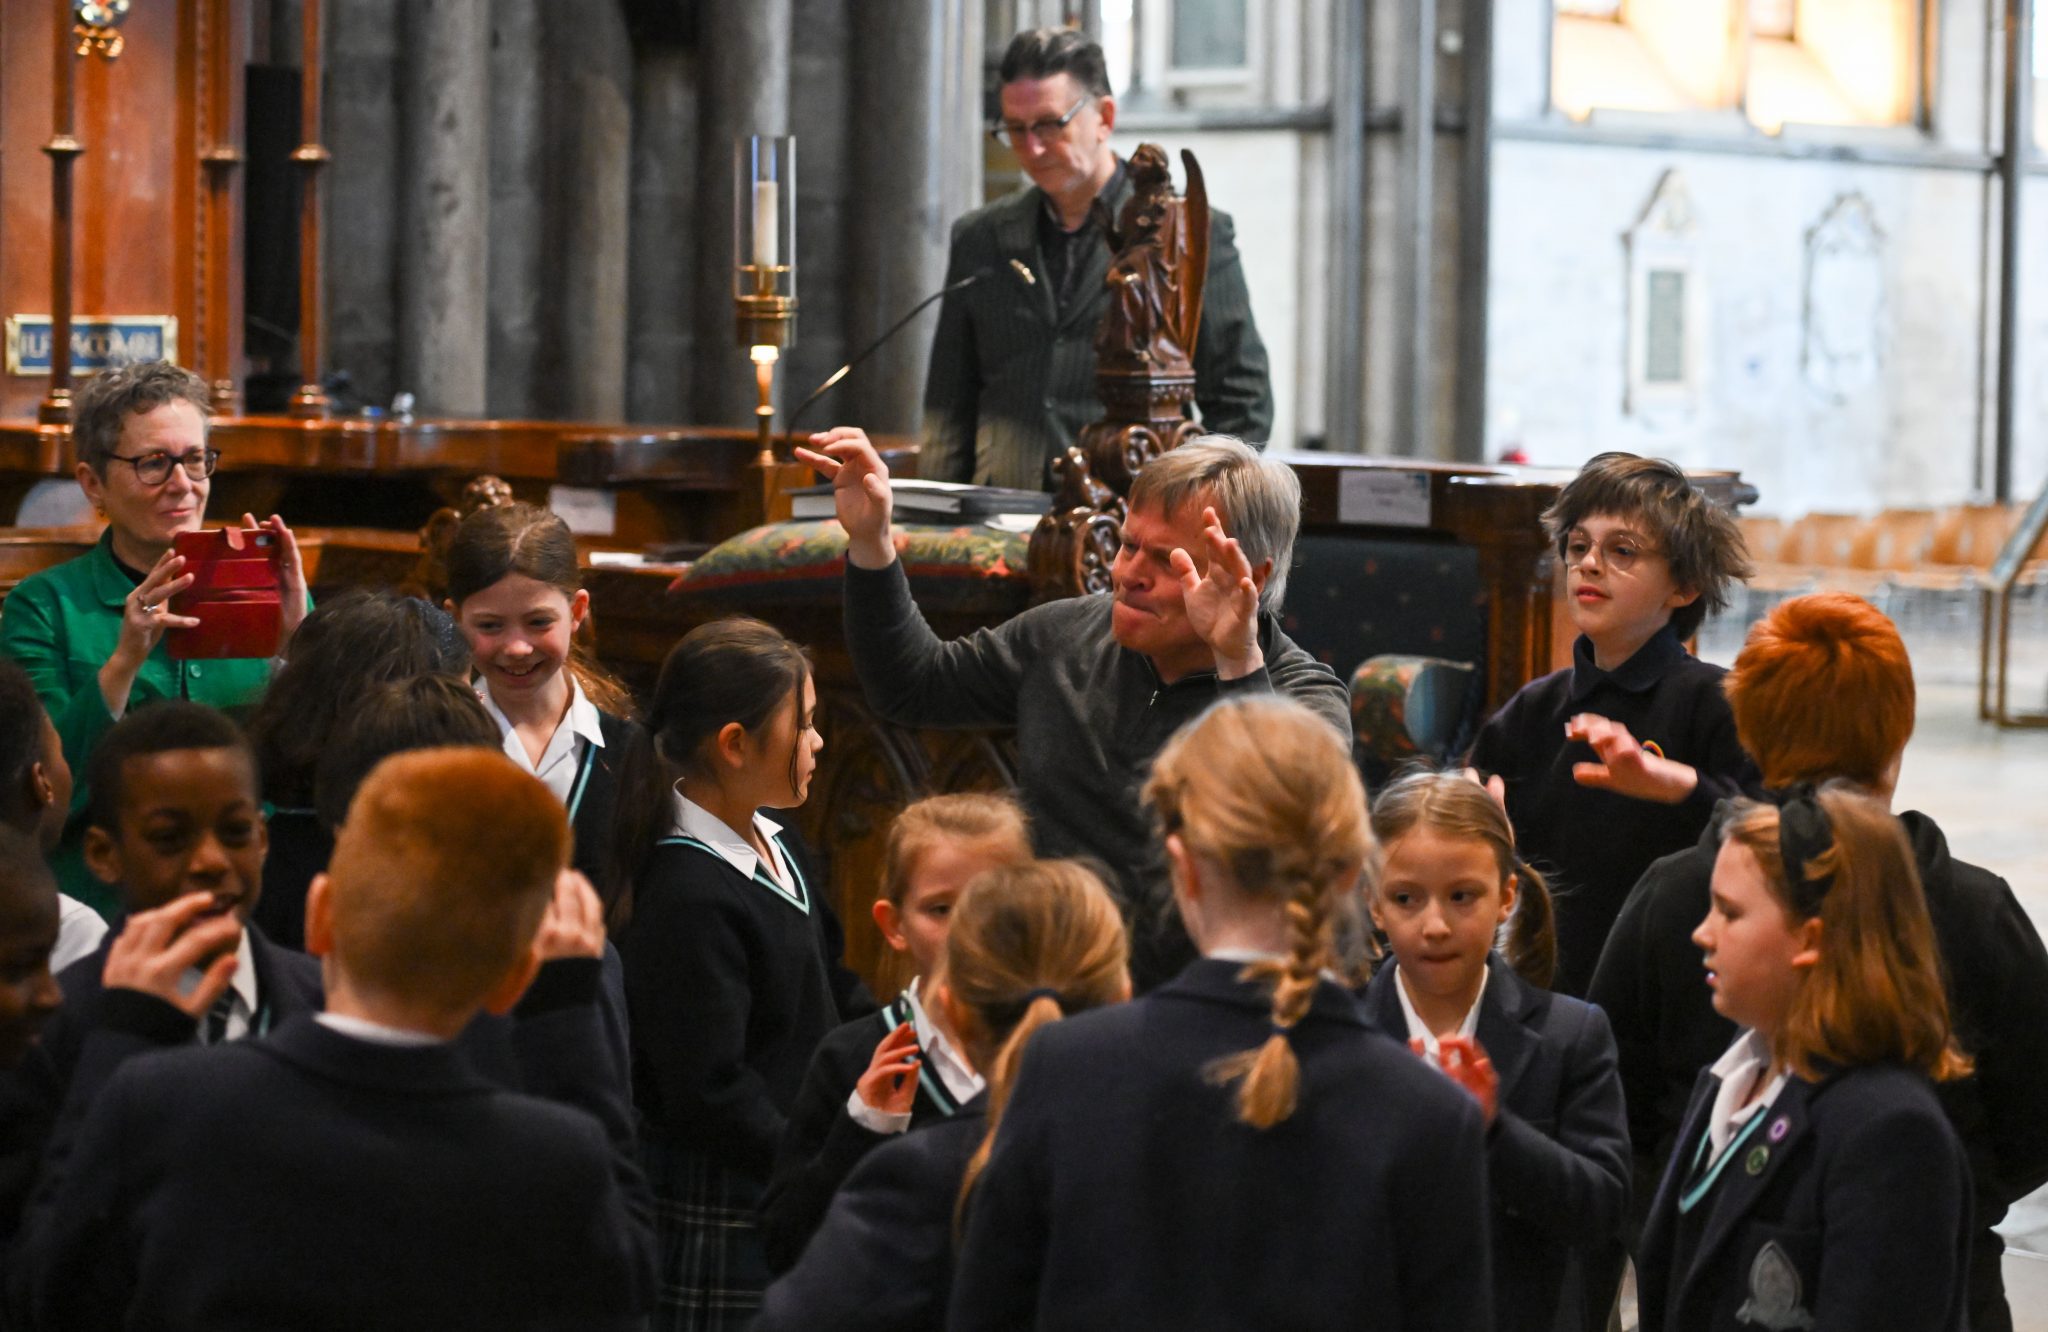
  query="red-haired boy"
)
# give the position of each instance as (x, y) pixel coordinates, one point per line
(351, 1170)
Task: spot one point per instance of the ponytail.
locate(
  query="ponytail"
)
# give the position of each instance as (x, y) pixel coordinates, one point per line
(1269, 1075)
(1029, 944)
(1001, 1076)
(1531, 946)
(640, 813)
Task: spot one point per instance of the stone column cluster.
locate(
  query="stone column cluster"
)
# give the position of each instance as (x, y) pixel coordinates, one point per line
(530, 204)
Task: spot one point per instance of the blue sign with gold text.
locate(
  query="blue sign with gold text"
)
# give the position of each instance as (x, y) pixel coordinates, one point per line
(98, 342)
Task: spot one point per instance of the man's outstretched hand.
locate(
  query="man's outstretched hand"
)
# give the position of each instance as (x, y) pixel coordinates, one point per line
(860, 491)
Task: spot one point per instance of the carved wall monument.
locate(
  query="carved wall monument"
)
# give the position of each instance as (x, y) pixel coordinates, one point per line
(1144, 374)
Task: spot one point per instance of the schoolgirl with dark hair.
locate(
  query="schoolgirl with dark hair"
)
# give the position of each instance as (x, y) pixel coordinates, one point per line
(1238, 1148)
(1469, 927)
(346, 648)
(515, 588)
(732, 953)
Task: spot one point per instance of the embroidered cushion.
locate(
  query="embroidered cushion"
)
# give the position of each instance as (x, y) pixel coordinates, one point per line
(968, 568)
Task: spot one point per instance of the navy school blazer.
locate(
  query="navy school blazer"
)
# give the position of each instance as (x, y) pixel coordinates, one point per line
(1557, 1155)
(883, 1258)
(1846, 1208)
(312, 1180)
(1123, 1191)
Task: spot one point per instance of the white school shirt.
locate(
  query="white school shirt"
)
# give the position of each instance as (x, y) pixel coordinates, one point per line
(693, 820)
(375, 1033)
(563, 758)
(79, 931)
(242, 986)
(1418, 1030)
(962, 1083)
(1738, 1069)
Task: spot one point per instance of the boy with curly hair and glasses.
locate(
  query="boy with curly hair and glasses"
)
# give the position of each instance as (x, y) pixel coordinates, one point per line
(1618, 759)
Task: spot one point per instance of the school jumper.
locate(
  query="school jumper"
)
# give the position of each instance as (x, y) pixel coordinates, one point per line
(732, 979)
(319, 1180)
(822, 1142)
(1593, 845)
(1123, 1191)
(1995, 970)
(883, 1258)
(1557, 1155)
(1090, 716)
(1841, 1206)
(62, 625)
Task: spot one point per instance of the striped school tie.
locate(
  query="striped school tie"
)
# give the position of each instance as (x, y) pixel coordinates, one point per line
(214, 1028)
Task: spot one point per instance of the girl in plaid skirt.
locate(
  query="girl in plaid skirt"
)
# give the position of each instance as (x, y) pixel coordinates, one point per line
(731, 952)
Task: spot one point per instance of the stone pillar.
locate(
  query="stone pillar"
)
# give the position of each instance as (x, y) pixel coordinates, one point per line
(743, 49)
(661, 340)
(360, 229)
(590, 120)
(516, 375)
(822, 107)
(444, 251)
(917, 159)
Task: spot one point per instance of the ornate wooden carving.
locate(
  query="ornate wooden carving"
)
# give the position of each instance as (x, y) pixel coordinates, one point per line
(1144, 374)
(429, 577)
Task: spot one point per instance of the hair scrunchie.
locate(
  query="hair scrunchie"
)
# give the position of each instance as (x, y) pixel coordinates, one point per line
(1805, 835)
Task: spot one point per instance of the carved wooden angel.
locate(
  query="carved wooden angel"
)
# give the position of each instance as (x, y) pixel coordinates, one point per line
(1155, 279)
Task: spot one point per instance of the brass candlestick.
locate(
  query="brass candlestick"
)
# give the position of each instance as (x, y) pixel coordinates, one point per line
(764, 268)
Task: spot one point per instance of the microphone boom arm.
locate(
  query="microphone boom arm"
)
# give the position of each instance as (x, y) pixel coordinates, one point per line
(876, 345)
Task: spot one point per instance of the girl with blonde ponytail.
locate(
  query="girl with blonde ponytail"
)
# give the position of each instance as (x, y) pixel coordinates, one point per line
(1238, 1148)
(1468, 925)
(1029, 945)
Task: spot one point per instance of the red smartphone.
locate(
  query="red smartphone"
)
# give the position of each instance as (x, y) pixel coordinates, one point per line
(234, 595)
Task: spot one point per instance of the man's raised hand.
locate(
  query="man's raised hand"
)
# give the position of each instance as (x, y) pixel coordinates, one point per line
(860, 491)
(1223, 602)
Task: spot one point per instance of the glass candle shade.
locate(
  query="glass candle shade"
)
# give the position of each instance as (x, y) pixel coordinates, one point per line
(764, 239)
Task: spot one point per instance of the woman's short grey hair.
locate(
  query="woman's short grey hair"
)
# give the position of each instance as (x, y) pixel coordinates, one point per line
(1258, 498)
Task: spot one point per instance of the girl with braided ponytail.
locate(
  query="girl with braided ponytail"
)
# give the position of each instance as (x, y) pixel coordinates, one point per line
(1238, 1148)
(1469, 928)
(1029, 945)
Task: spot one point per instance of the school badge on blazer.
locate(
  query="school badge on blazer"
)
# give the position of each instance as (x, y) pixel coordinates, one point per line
(1774, 1293)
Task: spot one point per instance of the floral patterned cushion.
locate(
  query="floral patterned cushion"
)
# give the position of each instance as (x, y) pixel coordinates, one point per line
(1405, 708)
(968, 568)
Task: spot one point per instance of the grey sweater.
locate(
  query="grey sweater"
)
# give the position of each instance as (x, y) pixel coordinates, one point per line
(1089, 715)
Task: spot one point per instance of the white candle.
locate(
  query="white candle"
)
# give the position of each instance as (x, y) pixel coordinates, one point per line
(765, 223)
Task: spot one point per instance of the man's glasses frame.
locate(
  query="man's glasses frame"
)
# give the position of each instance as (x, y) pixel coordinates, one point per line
(1009, 133)
(153, 469)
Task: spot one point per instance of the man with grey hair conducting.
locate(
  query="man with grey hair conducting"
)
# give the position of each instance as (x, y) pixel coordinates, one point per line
(1096, 685)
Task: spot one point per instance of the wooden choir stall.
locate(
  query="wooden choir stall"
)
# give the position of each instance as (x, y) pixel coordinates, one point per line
(138, 253)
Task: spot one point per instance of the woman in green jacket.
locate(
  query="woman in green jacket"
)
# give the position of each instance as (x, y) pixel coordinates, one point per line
(90, 632)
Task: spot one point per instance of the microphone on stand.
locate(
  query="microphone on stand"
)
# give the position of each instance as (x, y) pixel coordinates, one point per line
(875, 346)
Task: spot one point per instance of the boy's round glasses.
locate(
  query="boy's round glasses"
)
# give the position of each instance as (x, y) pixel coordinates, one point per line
(1045, 131)
(153, 469)
(1619, 551)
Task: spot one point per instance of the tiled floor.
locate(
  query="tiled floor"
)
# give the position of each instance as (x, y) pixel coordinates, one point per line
(1988, 789)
